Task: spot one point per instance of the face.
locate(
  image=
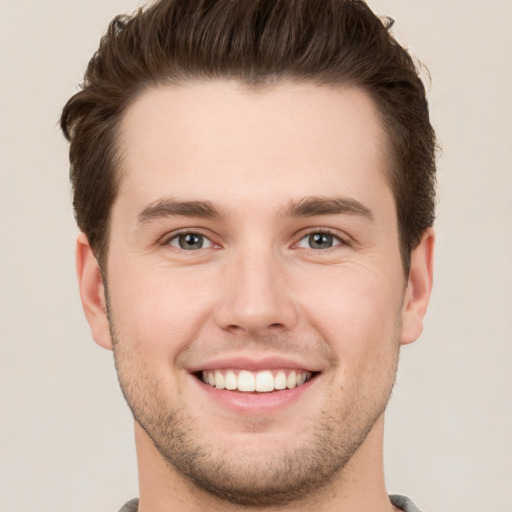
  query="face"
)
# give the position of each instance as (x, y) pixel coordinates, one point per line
(255, 286)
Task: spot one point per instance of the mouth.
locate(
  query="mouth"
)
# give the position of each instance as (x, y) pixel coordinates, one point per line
(262, 381)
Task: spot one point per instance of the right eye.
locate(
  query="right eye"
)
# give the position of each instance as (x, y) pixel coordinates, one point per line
(190, 241)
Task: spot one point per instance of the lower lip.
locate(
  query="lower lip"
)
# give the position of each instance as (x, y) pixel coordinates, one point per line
(255, 403)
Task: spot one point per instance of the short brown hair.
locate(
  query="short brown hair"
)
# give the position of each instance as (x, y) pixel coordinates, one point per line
(255, 42)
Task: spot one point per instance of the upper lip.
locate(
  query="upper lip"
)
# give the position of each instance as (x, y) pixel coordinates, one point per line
(254, 363)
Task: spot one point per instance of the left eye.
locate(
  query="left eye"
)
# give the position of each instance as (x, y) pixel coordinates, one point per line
(319, 240)
(190, 241)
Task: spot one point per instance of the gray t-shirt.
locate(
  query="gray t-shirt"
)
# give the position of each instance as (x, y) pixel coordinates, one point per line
(131, 506)
(402, 502)
(399, 501)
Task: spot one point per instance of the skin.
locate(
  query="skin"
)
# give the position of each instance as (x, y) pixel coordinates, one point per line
(256, 289)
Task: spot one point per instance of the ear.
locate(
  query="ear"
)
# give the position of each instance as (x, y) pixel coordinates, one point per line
(419, 286)
(92, 292)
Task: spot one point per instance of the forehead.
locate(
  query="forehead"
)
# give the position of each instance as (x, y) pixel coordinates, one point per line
(215, 138)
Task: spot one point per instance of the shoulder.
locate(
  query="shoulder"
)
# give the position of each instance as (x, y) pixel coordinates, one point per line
(131, 506)
(404, 503)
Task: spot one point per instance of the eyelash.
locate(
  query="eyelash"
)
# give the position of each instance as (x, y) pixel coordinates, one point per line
(338, 240)
(176, 236)
(341, 241)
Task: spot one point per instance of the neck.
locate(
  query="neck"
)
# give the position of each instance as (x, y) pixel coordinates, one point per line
(358, 486)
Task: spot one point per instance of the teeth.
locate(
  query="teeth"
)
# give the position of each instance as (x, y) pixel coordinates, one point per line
(263, 381)
(280, 380)
(291, 380)
(301, 378)
(219, 380)
(230, 381)
(246, 381)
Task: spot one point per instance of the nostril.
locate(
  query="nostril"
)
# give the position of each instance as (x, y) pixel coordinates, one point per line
(235, 328)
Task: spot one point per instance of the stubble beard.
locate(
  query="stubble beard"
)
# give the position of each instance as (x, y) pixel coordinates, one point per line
(234, 475)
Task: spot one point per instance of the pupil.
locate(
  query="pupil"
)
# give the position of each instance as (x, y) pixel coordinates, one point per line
(191, 241)
(320, 241)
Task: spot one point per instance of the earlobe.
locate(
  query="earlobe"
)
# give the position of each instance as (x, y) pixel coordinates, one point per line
(92, 292)
(419, 286)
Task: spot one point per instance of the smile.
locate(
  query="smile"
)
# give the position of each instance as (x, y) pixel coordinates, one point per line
(264, 381)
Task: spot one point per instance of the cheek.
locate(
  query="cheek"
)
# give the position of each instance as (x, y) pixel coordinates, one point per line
(356, 311)
(356, 296)
(153, 308)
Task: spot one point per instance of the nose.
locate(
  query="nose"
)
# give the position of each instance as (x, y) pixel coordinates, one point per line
(255, 296)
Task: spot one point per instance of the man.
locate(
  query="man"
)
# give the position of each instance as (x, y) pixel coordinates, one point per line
(254, 184)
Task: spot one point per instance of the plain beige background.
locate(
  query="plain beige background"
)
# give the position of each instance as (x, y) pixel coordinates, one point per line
(65, 433)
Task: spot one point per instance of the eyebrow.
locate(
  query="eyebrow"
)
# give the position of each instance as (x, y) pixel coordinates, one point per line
(305, 207)
(313, 206)
(169, 207)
